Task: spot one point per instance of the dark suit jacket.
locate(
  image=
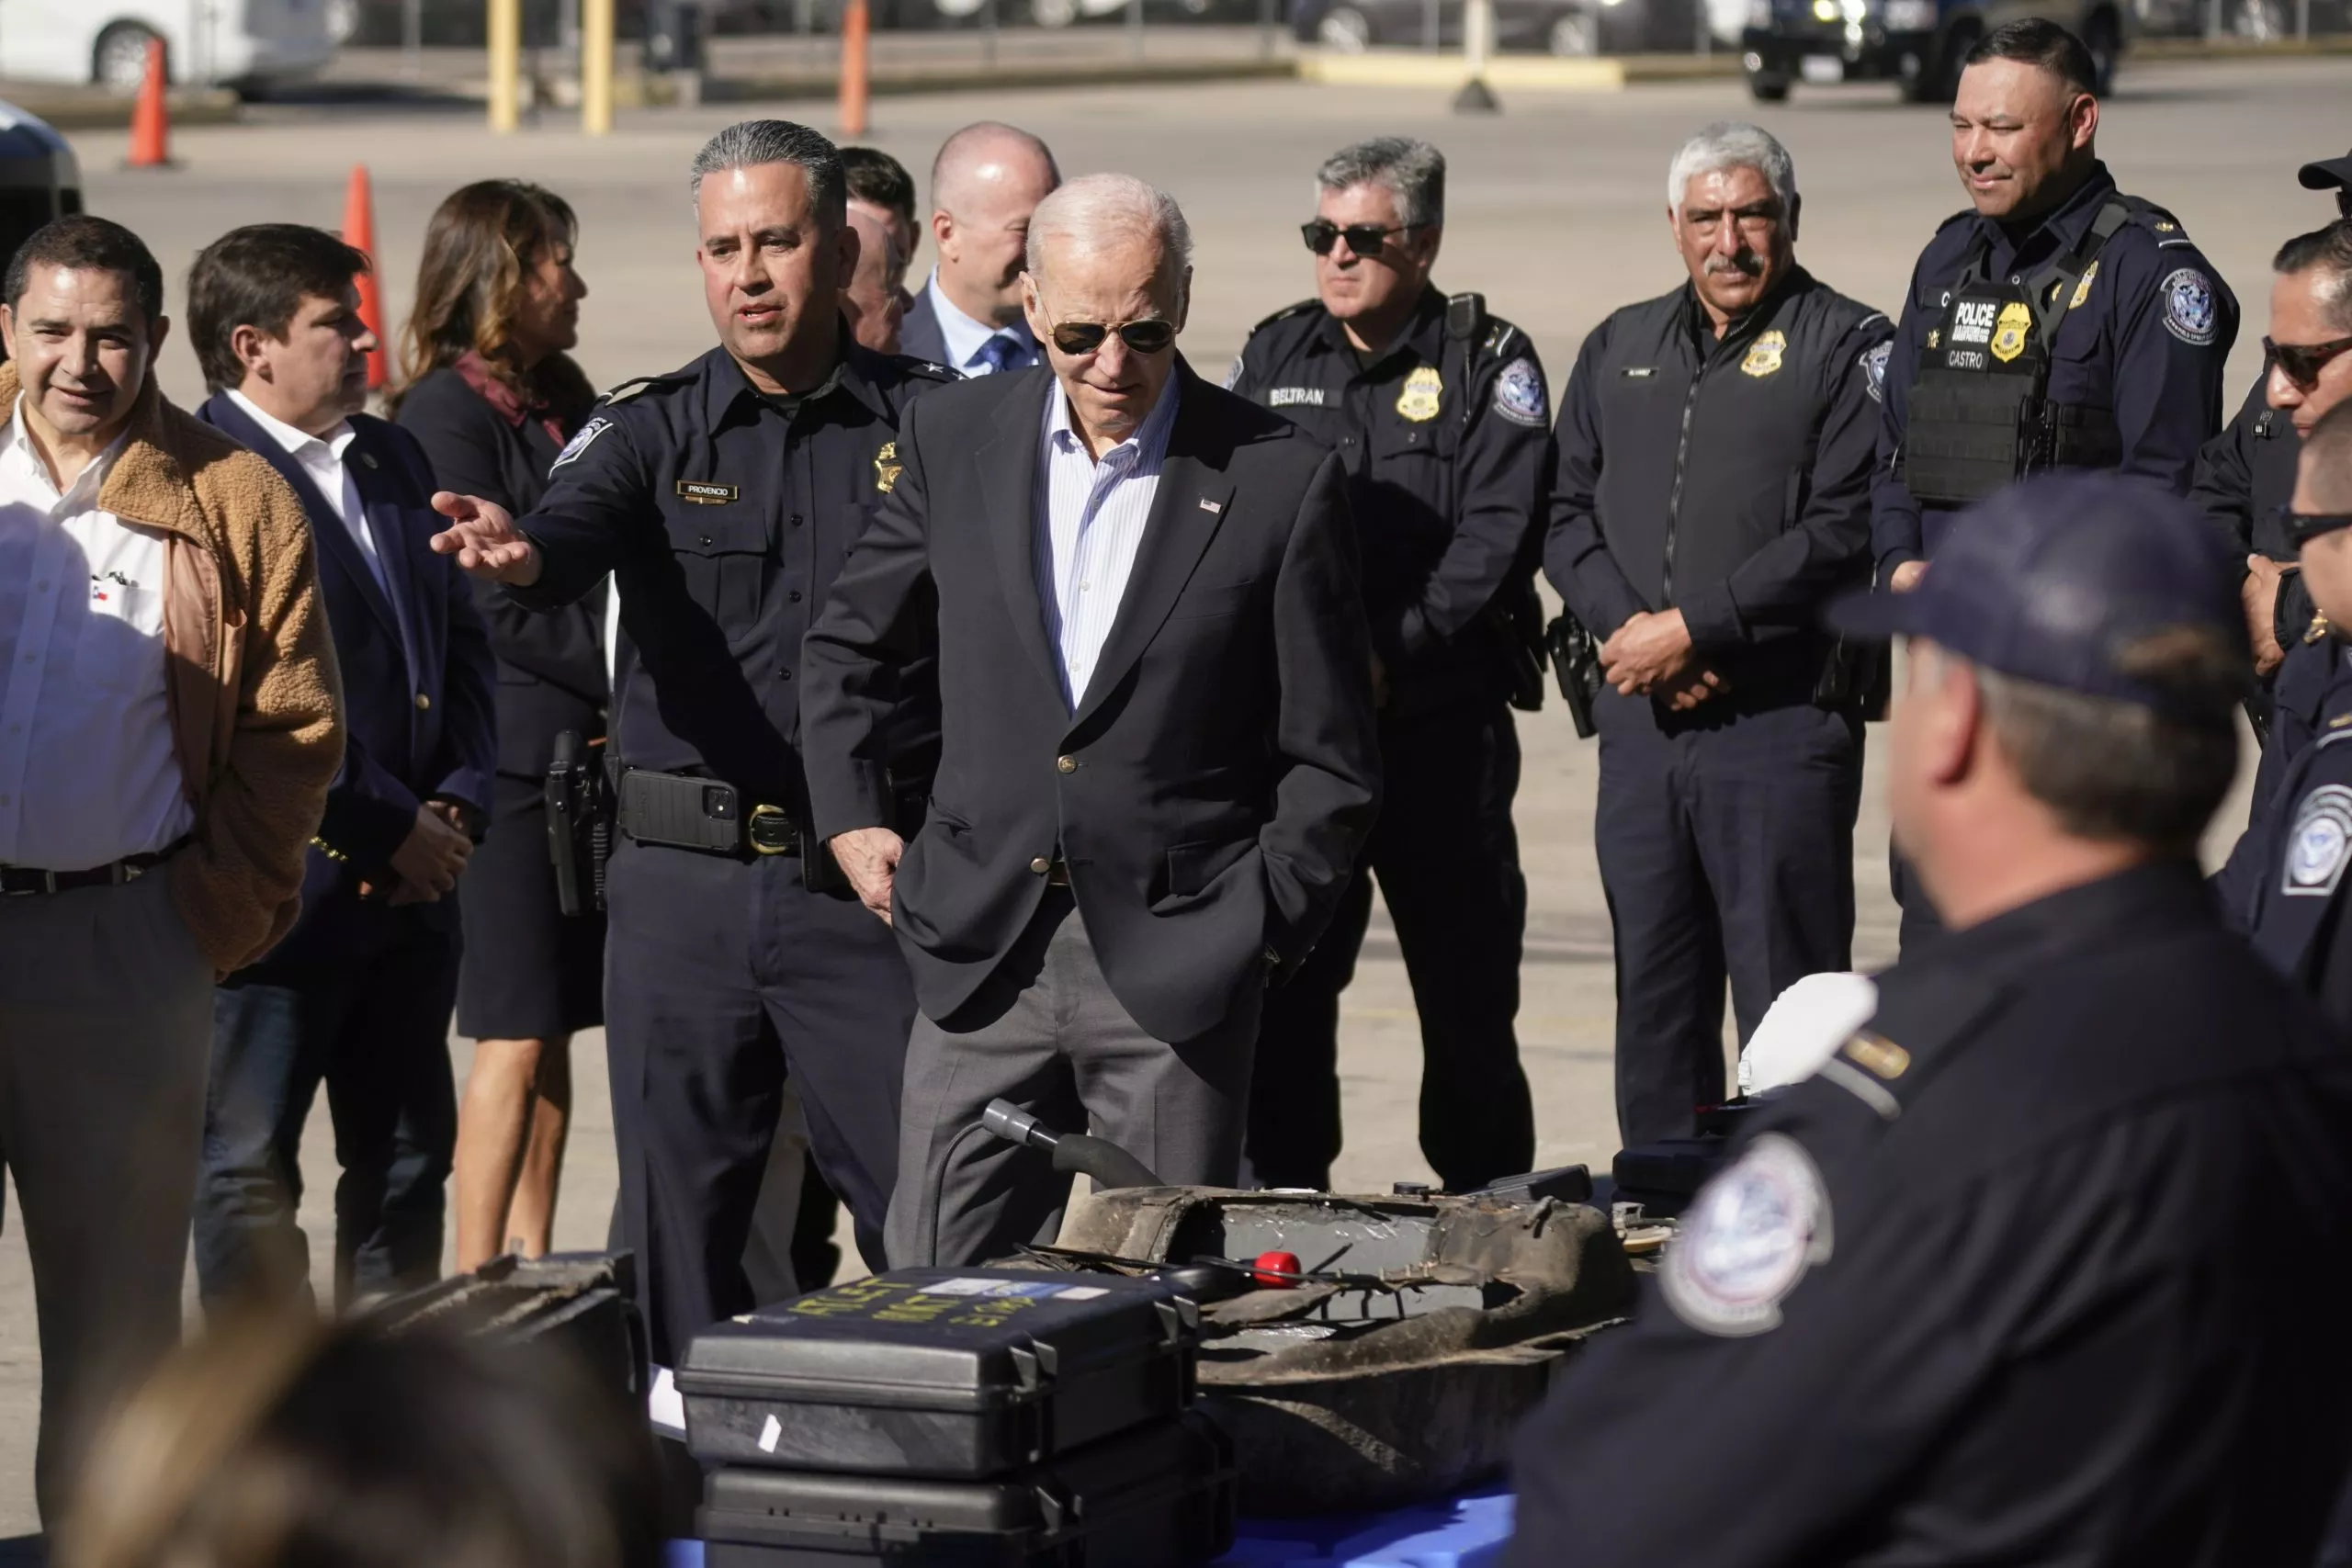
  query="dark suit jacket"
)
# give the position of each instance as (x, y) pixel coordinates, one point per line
(417, 675)
(1212, 789)
(919, 333)
(551, 673)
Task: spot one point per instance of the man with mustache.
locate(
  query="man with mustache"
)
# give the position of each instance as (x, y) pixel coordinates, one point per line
(2057, 324)
(985, 183)
(359, 996)
(723, 497)
(1713, 490)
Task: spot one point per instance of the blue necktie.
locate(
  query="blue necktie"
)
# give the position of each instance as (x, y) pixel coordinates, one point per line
(1001, 352)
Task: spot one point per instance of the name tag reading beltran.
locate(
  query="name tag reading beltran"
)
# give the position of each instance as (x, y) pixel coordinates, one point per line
(703, 493)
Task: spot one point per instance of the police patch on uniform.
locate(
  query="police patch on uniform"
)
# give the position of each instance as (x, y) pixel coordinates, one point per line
(1423, 388)
(1232, 374)
(2190, 309)
(1874, 370)
(1747, 1239)
(2083, 289)
(1518, 395)
(886, 467)
(1764, 354)
(2320, 843)
(581, 443)
(2009, 333)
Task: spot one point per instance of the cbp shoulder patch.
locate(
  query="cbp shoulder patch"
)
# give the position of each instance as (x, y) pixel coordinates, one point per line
(581, 441)
(1232, 374)
(1874, 369)
(1518, 395)
(2319, 844)
(1747, 1239)
(2190, 309)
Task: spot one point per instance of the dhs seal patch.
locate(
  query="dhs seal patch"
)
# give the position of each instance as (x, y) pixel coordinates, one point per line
(2319, 844)
(581, 443)
(1874, 370)
(1518, 395)
(1747, 1239)
(2190, 309)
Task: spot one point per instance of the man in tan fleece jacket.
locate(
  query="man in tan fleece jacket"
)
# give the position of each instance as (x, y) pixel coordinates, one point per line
(169, 725)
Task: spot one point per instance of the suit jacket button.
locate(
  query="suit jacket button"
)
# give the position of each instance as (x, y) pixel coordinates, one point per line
(423, 702)
(1041, 866)
(1066, 764)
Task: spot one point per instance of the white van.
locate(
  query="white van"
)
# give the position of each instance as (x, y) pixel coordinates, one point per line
(223, 43)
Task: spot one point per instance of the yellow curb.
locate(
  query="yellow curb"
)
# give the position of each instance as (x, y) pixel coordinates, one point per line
(1380, 68)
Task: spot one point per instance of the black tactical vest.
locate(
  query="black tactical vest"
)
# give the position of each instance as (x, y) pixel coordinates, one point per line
(1979, 413)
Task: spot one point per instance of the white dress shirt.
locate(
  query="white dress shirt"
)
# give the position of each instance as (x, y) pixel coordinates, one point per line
(968, 341)
(88, 772)
(1090, 524)
(320, 457)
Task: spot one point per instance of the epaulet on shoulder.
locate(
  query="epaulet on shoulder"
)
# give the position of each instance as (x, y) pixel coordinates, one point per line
(628, 390)
(929, 370)
(2147, 215)
(1285, 314)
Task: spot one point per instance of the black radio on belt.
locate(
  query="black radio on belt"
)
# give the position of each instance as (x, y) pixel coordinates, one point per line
(1980, 413)
(686, 811)
(580, 823)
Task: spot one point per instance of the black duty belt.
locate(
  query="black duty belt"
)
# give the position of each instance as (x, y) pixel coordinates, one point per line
(24, 881)
(686, 811)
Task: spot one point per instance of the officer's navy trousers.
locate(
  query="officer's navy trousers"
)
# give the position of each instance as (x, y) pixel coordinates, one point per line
(721, 976)
(1447, 860)
(1726, 850)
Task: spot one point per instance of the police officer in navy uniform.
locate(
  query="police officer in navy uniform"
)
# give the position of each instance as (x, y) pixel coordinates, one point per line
(1712, 493)
(2284, 882)
(2057, 324)
(2048, 1261)
(1440, 414)
(722, 498)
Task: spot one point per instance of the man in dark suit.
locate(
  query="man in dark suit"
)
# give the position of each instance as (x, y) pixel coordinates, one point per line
(1159, 757)
(985, 183)
(359, 993)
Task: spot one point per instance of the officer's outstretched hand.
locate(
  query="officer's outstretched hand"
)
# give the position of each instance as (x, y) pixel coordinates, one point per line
(869, 858)
(483, 538)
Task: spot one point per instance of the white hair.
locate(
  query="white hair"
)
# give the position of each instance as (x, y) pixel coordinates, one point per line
(1732, 144)
(1096, 207)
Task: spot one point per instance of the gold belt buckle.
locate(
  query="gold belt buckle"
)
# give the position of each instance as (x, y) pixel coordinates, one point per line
(770, 814)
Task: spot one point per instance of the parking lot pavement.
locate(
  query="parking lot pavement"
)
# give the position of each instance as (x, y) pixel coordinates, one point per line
(1555, 212)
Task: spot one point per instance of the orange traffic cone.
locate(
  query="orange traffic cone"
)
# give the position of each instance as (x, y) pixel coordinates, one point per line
(151, 117)
(855, 25)
(359, 234)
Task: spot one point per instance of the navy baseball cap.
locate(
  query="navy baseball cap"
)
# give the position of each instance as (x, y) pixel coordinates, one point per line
(2054, 580)
(2326, 173)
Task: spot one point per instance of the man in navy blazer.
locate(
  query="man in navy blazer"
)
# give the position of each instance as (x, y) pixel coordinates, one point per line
(359, 996)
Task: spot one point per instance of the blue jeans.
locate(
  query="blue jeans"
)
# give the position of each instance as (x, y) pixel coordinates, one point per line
(373, 1027)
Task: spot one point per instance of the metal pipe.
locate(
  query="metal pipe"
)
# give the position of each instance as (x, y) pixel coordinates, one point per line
(505, 64)
(597, 67)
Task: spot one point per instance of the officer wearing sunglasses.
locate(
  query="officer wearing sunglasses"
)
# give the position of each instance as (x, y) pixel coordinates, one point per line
(1440, 412)
(2245, 474)
(2284, 882)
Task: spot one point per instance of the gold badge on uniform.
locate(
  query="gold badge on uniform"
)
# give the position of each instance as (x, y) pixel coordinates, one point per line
(1878, 1053)
(2009, 333)
(1764, 354)
(1934, 337)
(886, 467)
(1419, 400)
(2083, 289)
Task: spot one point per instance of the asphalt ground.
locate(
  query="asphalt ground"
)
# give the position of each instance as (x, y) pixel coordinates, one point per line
(1555, 212)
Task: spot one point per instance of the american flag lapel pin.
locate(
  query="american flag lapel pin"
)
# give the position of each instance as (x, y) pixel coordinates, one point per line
(1212, 507)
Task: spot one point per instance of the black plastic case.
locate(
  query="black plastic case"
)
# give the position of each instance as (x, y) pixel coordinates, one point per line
(1161, 1497)
(951, 1372)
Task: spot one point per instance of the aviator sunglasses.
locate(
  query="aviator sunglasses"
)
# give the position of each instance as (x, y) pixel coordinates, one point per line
(2303, 527)
(1363, 239)
(2302, 362)
(1151, 336)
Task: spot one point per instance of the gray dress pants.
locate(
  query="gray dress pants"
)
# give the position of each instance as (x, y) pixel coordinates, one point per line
(106, 1026)
(1047, 1035)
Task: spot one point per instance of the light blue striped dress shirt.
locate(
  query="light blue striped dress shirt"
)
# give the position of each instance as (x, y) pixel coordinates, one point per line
(1090, 518)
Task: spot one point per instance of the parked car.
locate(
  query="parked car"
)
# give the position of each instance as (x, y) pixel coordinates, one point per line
(1555, 27)
(1917, 44)
(104, 42)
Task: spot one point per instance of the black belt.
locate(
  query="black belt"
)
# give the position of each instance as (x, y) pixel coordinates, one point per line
(685, 811)
(23, 882)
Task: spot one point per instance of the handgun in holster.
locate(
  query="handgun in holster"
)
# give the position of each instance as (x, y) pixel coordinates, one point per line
(580, 823)
(1576, 663)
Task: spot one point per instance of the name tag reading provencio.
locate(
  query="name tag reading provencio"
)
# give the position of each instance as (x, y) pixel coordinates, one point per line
(703, 493)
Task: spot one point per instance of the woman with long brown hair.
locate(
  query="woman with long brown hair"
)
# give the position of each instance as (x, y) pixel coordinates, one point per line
(491, 392)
